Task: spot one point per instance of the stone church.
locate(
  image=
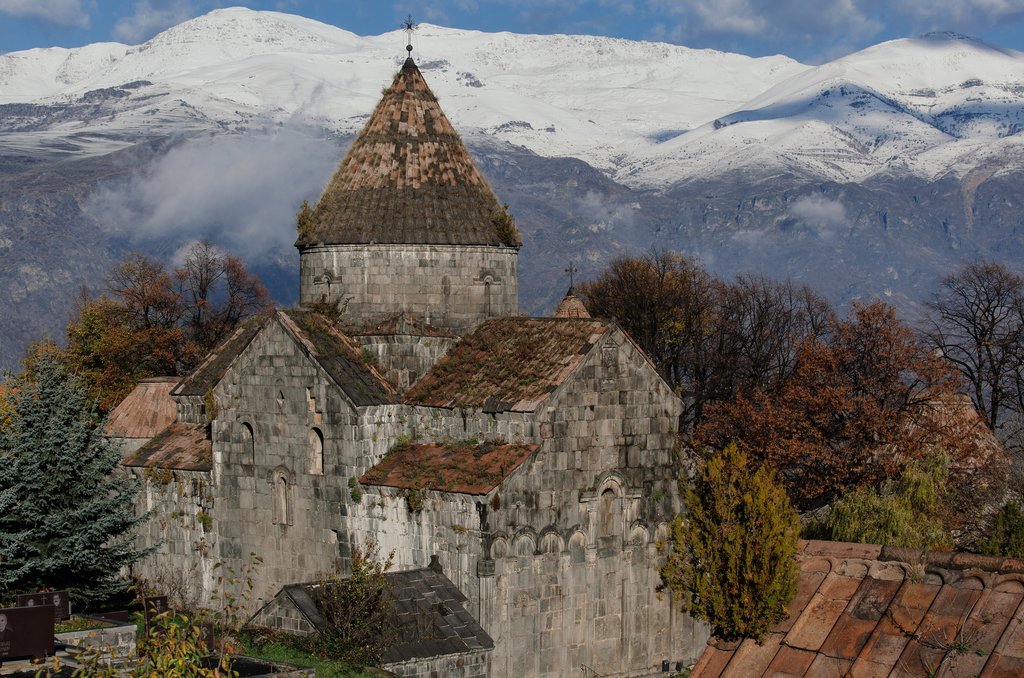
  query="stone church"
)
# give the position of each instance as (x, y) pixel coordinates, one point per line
(522, 470)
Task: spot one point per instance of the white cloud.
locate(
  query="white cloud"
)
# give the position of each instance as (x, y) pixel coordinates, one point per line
(60, 12)
(821, 214)
(149, 18)
(241, 192)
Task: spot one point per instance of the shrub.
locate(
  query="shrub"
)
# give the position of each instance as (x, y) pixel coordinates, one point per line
(903, 513)
(733, 555)
(1006, 536)
(357, 610)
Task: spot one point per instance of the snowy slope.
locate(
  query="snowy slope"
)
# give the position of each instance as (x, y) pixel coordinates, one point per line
(647, 114)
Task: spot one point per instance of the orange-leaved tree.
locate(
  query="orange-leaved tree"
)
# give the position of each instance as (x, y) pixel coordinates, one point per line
(852, 412)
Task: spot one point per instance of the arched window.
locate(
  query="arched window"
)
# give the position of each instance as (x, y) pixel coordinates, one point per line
(316, 452)
(281, 516)
(609, 515)
(248, 444)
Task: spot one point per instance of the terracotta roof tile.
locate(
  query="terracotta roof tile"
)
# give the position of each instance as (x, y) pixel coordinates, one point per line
(408, 178)
(146, 411)
(861, 617)
(508, 364)
(464, 468)
(184, 447)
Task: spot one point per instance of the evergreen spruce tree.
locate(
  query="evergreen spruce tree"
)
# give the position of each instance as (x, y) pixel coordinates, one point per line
(67, 518)
(733, 559)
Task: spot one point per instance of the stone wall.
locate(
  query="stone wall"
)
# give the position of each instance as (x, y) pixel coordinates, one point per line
(405, 358)
(466, 665)
(182, 528)
(453, 287)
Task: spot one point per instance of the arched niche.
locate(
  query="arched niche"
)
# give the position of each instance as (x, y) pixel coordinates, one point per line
(248, 436)
(281, 482)
(316, 451)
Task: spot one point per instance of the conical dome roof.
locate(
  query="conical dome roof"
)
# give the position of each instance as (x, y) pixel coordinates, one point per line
(408, 179)
(571, 306)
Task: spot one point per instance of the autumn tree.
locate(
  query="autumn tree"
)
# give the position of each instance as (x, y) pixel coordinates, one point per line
(154, 321)
(851, 412)
(976, 320)
(709, 339)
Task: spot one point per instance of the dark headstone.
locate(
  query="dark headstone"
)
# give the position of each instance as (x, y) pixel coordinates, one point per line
(26, 632)
(152, 607)
(208, 639)
(60, 601)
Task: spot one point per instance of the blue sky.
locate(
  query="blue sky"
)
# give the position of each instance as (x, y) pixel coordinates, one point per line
(808, 30)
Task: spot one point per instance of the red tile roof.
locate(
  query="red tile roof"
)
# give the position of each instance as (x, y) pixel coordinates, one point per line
(409, 179)
(508, 364)
(146, 411)
(184, 447)
(571, 307)
(865, 610)
(458, 467)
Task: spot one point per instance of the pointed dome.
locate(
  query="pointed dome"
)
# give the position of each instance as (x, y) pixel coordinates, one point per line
(571, 306)
(408, 179)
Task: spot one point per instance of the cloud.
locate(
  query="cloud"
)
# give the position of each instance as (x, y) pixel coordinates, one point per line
(241, 192)
(60, 12)
(149, 18)
(821, 214)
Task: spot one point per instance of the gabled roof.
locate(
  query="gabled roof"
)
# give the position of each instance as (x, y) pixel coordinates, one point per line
(146, 411)
(340, 357)
(210, 371)
(323, 342)
(508, 364)
(456, 467)
(429, 615)
(408, 178)
(864, 610)
(184, 447)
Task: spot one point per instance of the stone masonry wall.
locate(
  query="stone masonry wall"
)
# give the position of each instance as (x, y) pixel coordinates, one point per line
(466, 665)
(452, 287)
(405, 358)
(181, 526)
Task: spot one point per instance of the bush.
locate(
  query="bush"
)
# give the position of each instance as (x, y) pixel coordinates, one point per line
(357, 610)
(1006, 536)
(733, 556)
(904, 513)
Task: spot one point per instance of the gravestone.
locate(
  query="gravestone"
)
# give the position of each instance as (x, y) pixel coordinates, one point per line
(58, 599)
(153, 607)
(26, 632)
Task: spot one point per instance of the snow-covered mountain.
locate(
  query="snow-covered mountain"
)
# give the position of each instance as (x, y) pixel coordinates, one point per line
(869, 175)
(647, 114)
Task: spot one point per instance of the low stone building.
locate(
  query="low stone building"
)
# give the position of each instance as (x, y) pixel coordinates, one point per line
(406, 405)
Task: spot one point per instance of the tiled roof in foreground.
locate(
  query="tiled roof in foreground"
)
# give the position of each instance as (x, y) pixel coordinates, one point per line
(508, 364)
(864, 610)
(455, 467)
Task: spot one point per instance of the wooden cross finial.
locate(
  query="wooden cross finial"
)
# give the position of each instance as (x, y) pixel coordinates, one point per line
(572, 271)
(409, 26)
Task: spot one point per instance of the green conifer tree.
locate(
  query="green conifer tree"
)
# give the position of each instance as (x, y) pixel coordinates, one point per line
(733, 558)
(67, 517)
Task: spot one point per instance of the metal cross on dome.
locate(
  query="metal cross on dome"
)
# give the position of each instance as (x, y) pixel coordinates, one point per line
(572, 271)
(410, 27)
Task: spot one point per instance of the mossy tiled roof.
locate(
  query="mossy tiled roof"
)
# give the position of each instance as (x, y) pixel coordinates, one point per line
(210, 371)
(408, 179)
(464, 467)
(508, 364)
(341, 357)
(146, 411)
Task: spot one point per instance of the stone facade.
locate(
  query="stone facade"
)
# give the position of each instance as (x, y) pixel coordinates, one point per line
(454, 287)
(532, 461)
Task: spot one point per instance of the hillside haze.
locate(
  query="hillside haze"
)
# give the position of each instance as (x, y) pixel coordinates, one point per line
(871, 175)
